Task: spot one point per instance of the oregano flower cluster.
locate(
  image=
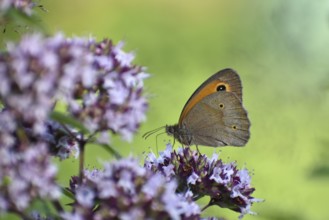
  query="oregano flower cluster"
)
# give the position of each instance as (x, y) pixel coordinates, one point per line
(59, 95)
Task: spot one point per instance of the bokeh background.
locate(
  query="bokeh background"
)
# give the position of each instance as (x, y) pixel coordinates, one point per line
(281, 51)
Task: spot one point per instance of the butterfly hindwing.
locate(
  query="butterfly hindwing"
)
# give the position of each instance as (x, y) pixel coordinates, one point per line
(218, 119)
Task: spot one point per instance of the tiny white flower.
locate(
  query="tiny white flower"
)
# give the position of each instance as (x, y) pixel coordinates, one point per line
(124, 58)
(216, 175)
(71, 216)
(153, 185)
(169, 171)
(85, 196)
(105, 62)
(213, 158)
(193, 178)
(107, 189)
(126, 181)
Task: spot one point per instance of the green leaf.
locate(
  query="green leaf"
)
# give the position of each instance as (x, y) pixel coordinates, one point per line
(20, 18)
(111, 150)
(68, 193)
(68, 120)
(321, 171)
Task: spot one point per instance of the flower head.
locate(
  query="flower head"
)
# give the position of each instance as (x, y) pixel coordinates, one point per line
(114, 100)
(26, 173)
(225, 185)
(84, 75)
(126, 190)
(36, 71)
(24, 6)
(94, 80)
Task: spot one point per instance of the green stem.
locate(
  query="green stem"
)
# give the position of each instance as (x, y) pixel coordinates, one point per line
(207, 206)
(57, 206)
(82, 144)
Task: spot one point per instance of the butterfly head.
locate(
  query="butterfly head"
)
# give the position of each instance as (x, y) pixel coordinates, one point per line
(180, 133)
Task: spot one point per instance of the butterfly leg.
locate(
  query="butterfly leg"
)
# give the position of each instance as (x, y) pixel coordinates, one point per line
(197, 148)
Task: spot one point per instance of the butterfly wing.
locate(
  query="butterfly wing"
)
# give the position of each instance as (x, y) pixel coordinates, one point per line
(219, 119)
(226, 77)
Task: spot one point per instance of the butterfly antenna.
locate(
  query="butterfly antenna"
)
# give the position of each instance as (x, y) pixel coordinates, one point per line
(149, 133)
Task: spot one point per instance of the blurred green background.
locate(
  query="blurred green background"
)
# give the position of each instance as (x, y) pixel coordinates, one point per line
(281, 51)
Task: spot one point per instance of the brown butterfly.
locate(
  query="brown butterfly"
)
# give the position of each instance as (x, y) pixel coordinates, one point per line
(214, 114)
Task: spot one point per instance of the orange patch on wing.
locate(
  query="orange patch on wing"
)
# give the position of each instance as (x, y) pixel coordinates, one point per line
(210, 88)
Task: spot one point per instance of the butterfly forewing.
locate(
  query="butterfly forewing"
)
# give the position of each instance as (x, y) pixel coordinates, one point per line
(227, 77)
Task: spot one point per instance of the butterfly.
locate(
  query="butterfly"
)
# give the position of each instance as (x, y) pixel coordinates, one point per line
(214, 115)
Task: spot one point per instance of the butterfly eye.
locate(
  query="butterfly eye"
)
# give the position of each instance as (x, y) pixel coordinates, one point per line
(221, 88)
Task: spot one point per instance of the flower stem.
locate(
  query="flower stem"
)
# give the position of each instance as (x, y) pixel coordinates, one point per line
(207, 206)
(82, 144)
(57, 206)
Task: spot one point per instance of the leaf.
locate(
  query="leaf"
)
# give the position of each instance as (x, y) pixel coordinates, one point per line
(321, 171)
(18, 17)
(111, 150)
(68, 193)
(68, 120)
